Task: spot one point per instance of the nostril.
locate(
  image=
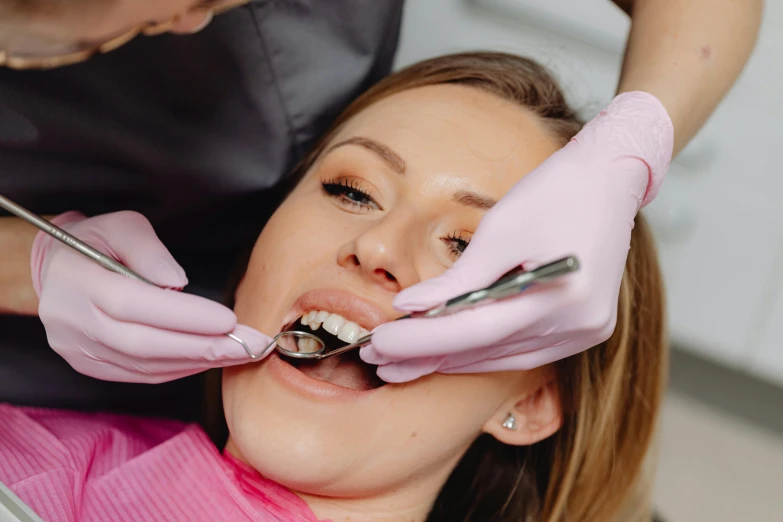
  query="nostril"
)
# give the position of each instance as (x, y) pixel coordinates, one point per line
(384, 277)
(353, 260)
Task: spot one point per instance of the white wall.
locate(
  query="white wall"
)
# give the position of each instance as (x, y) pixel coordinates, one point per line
(719, 218)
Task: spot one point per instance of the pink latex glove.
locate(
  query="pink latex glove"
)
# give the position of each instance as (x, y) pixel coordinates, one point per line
(118, 329)
(583, 201)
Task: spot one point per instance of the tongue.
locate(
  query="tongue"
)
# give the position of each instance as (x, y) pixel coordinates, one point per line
(342, 371)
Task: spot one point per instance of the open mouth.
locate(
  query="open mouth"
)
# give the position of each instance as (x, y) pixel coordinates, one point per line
(346, 370)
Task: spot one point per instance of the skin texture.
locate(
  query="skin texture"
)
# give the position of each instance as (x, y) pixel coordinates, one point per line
(112, 17)
(688, 53)
(16, 286)
(54, 26)
(386, 453)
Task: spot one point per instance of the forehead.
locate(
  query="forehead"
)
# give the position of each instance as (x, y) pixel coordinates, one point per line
(459, 131)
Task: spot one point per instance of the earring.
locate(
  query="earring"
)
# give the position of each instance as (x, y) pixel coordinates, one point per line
(510, 423)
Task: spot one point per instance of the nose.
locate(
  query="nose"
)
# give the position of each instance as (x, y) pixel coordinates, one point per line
(381, 255)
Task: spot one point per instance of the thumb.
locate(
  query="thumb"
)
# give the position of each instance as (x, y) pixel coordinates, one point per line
(410, 369)
(132, 240)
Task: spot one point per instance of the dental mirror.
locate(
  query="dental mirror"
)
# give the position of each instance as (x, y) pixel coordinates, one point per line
(303, 345)
(298, 344)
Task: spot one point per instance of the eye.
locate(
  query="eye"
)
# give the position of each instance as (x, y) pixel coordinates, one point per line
(349, 192)
(456, 242)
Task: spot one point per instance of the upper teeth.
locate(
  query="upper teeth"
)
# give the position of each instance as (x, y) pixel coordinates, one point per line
(335, 324)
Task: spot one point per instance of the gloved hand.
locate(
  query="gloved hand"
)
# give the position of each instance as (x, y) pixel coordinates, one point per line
(583, 201)
(118, 329)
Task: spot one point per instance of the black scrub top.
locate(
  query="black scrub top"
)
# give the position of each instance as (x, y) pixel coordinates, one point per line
(195, 132)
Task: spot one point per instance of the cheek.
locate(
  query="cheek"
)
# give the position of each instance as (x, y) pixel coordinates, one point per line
(422, 429)
(447, 411)
(294, 242)
(406, 433)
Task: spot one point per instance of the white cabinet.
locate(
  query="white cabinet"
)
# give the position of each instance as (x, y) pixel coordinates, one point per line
(719, 218)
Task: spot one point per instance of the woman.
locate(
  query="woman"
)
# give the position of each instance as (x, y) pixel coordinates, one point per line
(390, 197)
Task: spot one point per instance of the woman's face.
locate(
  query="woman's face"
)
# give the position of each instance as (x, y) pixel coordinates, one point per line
(391, 202)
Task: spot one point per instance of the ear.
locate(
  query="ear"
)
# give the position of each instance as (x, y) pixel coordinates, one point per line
(528, 419)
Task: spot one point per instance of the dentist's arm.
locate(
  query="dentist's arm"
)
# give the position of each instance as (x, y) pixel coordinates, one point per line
(16, 286)
(682, 57)
(688, 53)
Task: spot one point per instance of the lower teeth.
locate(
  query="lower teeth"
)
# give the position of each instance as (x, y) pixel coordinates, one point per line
(307, 345)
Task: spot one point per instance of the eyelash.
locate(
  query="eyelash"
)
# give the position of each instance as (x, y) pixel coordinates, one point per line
(339, 189)
(456, 237)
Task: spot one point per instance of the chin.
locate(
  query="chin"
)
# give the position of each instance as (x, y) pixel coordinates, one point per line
(312, 463)
(307, 444)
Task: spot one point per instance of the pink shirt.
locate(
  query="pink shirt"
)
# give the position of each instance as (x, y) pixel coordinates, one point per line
(71, 466)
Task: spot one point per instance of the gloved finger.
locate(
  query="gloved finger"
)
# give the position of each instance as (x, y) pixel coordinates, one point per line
(459, 279)
(520, 361)
(466, 330)
(473, 357)
(144, 342)
(410, 369)
(106, 371)
(524, 353)
(131, 301)
(528, 316)
(134, 242)
(505, 350)
(370, 355)
(151, 369)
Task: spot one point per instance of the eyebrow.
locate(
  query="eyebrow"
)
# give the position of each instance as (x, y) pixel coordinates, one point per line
(391, 158)
(397, 164)
(474, 199)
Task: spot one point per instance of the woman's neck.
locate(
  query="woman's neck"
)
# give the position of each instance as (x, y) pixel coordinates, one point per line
(411, 504)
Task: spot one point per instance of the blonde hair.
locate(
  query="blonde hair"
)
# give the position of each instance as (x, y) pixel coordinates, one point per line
(613, 393)
(593, 469)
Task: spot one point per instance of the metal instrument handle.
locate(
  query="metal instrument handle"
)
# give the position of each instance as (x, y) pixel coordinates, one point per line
(71, 241)
(362, 341)
(511, 284)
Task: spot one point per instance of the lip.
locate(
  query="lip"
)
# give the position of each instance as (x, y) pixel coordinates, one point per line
(346, 304)
(300, 383)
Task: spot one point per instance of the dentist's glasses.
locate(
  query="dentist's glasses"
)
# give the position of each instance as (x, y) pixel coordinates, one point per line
(304, 345)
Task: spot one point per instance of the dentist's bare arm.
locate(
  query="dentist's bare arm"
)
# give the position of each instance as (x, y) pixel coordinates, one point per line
(16, 285)
(688, 53)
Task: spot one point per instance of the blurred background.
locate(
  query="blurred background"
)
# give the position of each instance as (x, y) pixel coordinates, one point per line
(719, 225)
